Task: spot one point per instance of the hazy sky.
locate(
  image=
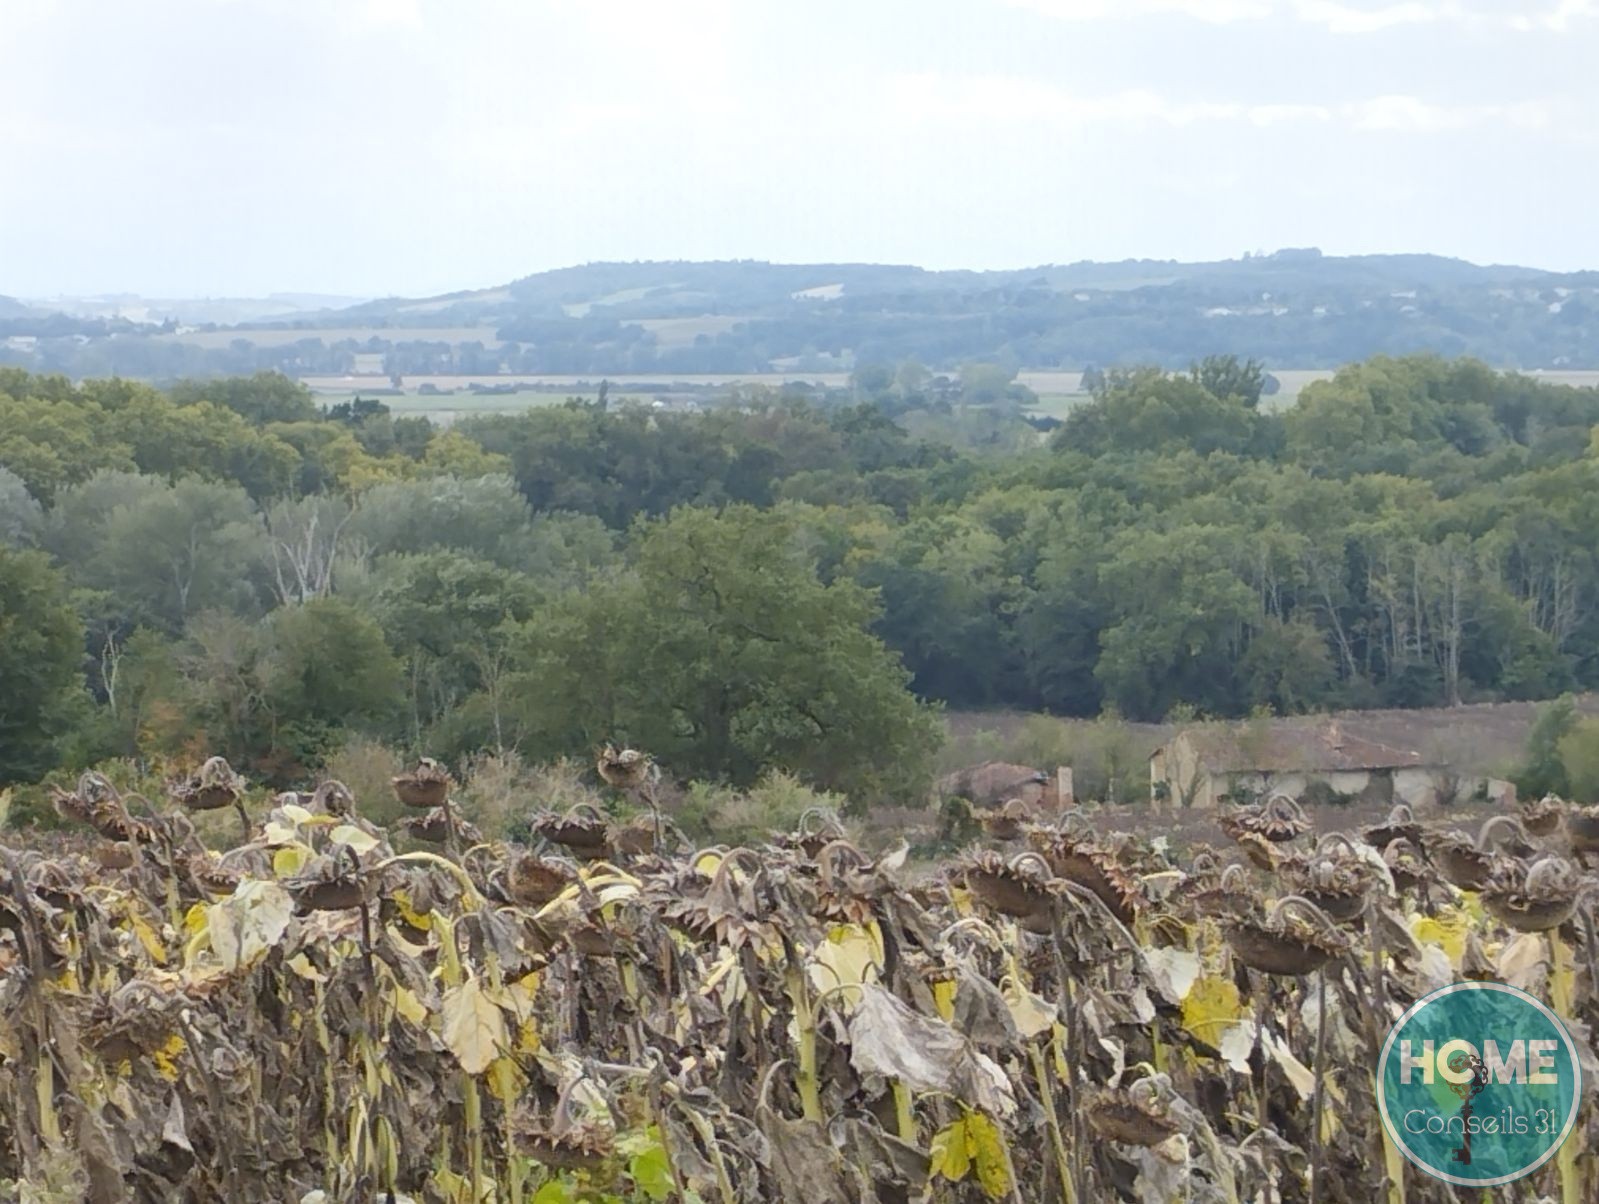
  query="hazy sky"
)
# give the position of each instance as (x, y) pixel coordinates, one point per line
(183, 147)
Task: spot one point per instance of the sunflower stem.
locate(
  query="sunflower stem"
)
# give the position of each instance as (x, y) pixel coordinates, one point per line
(1321, 1052)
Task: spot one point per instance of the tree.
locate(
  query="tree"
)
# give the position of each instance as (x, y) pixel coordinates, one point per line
(41, 663)
(1226, 376)
(984, 383)
(305, 539)
(162, 552)
(481, 516)
(1543, 768)
(1579, 755)
(1147, 410)
(724, 655)
(1288, 667)
(450, 618)
(21, 516)
(259, 399)
(871, 380)
(327, 669)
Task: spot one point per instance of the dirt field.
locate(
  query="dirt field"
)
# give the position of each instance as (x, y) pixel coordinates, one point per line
(1483, 738)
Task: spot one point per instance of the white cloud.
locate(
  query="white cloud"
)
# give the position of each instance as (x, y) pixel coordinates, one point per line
(989, 99)
(405, 13)
(1556, 18)
(999, 98)
(1335, 16)
(1216, 11)
(1411, 115)
(1346, 18)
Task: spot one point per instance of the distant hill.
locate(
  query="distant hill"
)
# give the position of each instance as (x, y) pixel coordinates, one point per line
(222, 311)
(1295, 308)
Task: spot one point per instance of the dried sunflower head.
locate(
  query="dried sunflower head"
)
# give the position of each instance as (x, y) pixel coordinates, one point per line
(582, 831)
(1296, 938)
(426, 785)
(1535, 898)
(1077, 857)
(624, 768)
(1019, 888)
(1139, 1115)
(433, 828)
(1279, 819)
(212, 786)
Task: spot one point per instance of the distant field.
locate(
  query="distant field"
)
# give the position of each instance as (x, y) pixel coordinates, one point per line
(671, 333)
(447, 409)
(590, 381)
(1058, 392)
(281, 337)
(1483, 737)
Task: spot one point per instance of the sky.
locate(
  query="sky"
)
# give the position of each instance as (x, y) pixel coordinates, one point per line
(182, 148)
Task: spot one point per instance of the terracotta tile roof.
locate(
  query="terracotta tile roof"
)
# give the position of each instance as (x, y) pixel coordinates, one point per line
(1327, 747)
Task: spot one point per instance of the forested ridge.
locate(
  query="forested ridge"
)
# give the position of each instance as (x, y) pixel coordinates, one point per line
(787, 582)
(1294, 309)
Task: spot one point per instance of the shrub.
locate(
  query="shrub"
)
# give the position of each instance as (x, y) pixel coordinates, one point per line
(366, 767)
(710, 811)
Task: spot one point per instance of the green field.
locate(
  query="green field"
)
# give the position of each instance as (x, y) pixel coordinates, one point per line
(447, 408)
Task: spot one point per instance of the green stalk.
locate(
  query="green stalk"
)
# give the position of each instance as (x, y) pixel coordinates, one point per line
(810, 1090)
(474, 1132)
(1056, 1140)
(905, 1119)
(44, 1086)
(1321, 1053)
(1561, 981)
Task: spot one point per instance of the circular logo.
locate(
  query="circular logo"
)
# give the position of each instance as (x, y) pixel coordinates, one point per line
(1478, 1084)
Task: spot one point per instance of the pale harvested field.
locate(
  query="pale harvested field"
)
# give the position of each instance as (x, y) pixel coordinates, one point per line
(681, 332)
(1483, 737)
(281, 336)
(590, 381)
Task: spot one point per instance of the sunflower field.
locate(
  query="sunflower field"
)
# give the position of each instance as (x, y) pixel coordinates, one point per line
(329, 1012)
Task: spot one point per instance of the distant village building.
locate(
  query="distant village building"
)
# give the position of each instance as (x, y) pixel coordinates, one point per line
(995, 782)
(1208, 766)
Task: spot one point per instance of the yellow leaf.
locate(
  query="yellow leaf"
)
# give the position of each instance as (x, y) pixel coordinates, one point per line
(1210, 1007)
(248, 923)
(707, 863)
(1447, 928)
(472, 1026)
(506, 1081)
(196, 920)
(949, 1153)
(986, 1145)
(275, 833)
(165, 1058)
(302, 966)
(290, 860)
(944, 998)
(416, 919)
(148, 937)
(407, 1003)
(361, 842)
(848, 957)
(1031, 1014)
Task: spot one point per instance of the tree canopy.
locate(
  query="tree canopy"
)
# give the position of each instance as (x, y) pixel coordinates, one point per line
(792, 580)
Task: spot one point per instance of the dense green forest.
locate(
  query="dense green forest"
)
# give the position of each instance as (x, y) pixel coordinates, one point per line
(1293, 309)
(786, 582)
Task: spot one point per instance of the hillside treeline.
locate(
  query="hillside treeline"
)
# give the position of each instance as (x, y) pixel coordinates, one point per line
(1293, 309)
(787, 583)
